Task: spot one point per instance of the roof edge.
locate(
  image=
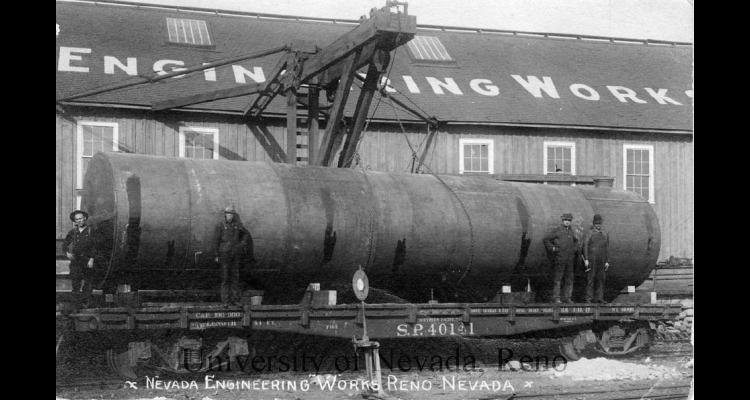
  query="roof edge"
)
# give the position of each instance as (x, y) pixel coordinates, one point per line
(549, 35)
(403, 120)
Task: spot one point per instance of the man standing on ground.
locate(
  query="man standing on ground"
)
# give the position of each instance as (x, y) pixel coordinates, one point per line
(231, 239)
(562, 244)
(596, 260)
(79, 248)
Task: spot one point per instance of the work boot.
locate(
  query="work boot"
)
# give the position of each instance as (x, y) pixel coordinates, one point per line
(556, 301)
(568, 301)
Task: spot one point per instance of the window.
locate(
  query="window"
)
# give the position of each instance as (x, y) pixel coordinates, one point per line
(200, 143)
(188, 31)
(428, 48)
(638, 170)
(477, 155)
(560, 158)
(92, 138)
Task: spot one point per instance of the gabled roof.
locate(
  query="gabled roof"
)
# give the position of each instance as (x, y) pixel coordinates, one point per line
(496, 78)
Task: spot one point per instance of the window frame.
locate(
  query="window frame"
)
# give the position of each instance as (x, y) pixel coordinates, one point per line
(428, 61)
(79, 146)
(202, 130)
(651, 177)
(490, 154)
(210, 45)
(545, 153)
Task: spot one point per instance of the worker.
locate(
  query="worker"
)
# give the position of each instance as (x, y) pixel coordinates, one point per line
(231, 240)
(79, 249)
(596, 260)
(562, 244)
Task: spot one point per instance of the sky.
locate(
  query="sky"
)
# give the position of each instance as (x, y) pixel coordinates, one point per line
(670, 20)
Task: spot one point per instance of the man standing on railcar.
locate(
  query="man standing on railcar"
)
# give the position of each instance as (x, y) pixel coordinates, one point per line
(79, 248)
(231, 240)
(562, 243)
(596, 260)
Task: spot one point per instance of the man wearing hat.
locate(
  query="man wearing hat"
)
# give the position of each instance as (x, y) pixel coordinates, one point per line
(79, 248)
(596, 260)
(231, 239)
(562, 243)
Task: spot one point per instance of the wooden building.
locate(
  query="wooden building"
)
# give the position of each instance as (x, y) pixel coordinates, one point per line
(524, 106)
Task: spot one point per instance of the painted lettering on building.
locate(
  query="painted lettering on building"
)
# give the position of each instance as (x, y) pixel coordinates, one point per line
(81, 60)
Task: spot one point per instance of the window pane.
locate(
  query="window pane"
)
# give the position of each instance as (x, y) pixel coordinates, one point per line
(208, 141)
(474, 164)
(171, 30)
(107, 138)
(181, 34)
(439, 48)
(87, 133)
(192, 35)
(566, 167)
(425, 44)
(199, 32)
(84, 166)
(199, 145)
(428, 48)
(484, 150)
(204, 33)
(629, 182)
(88, 151)
(415, 50)
(189, 31)
(485, 165)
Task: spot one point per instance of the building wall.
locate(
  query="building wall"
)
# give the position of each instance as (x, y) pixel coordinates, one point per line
(384, 147)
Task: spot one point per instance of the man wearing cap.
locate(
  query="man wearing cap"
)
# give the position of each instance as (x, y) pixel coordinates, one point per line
(596, 260)
(79, 248)
(231, 239)
(562, 243)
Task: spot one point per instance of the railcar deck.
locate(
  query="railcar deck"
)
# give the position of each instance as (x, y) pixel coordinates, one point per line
(383, 320)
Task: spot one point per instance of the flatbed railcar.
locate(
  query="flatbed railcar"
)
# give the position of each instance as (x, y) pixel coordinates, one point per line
(441, 247)
(201, 332)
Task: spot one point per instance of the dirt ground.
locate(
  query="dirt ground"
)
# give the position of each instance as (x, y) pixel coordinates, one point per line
(603, 379)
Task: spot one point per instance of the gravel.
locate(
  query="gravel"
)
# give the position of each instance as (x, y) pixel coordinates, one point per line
(602, 369)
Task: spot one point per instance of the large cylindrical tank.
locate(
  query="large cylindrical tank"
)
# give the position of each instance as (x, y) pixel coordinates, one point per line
(417, 236)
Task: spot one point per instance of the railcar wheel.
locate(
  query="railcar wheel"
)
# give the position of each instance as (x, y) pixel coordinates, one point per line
(615, 341)
(119, 363)
(186, 355)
